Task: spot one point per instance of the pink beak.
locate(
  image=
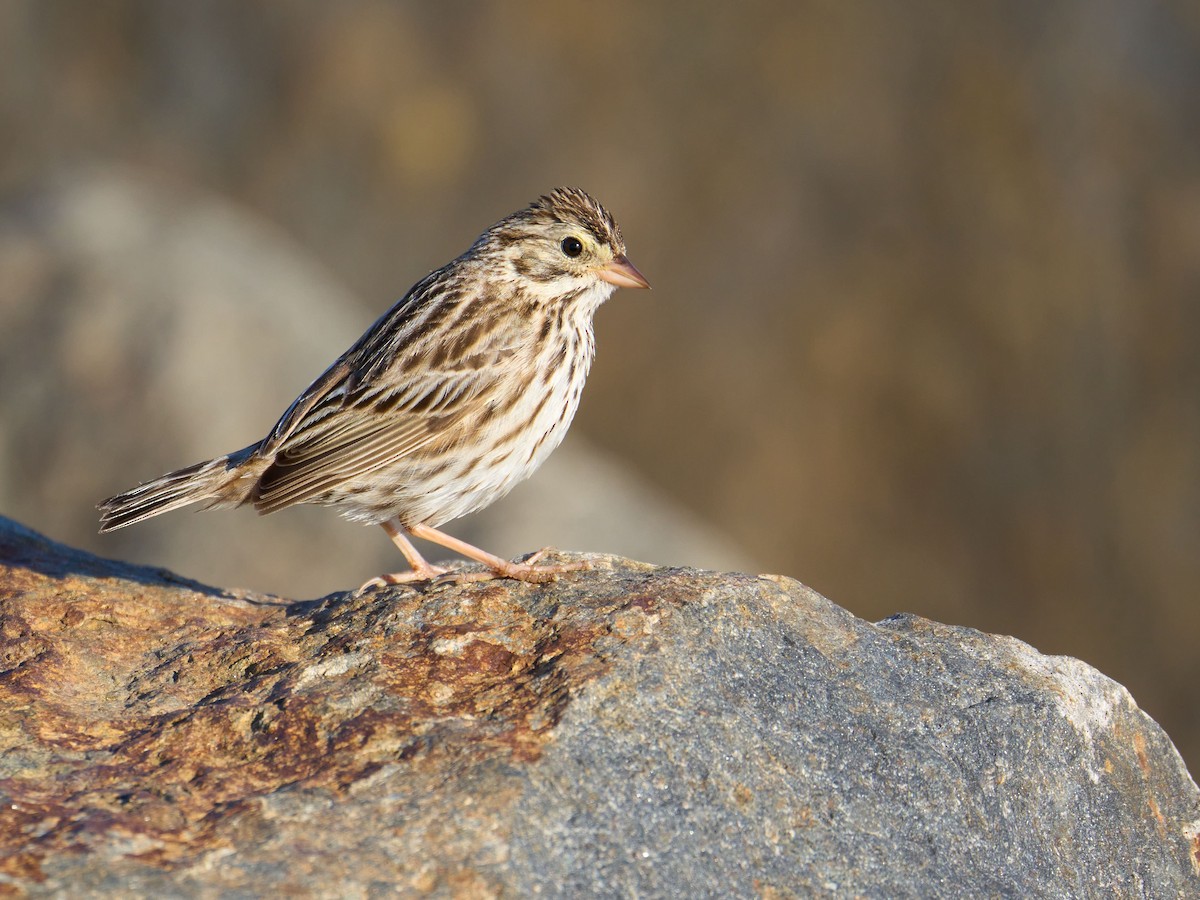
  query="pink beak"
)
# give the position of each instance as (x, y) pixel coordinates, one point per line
(623, 273)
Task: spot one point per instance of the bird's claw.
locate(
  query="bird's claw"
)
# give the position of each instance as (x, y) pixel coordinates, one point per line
(526, 571)
(424, 573)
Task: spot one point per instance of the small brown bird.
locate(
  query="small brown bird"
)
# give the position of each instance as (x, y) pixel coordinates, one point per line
(457, 393)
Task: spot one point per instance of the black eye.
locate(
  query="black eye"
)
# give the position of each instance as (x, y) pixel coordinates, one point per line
(571, 246)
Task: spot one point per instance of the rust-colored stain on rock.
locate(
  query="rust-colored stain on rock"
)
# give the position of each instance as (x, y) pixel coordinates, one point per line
(161, 705)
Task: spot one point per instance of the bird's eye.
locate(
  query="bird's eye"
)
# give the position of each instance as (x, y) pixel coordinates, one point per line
(571, 246)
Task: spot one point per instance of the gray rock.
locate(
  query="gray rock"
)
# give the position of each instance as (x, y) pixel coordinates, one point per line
(628, 731)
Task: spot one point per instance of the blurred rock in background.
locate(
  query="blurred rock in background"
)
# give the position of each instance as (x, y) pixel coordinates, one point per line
(925, 316)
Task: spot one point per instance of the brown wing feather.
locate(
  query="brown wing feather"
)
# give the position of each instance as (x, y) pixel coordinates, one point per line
(337, 444)
(294, 480)
(381, 401)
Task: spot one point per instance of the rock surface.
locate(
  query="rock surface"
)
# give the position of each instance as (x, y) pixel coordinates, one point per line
(628, 731)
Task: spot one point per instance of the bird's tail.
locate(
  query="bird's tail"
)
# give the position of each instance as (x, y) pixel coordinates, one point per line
(219, 482)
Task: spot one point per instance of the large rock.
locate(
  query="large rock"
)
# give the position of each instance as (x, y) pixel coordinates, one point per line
(631, 730)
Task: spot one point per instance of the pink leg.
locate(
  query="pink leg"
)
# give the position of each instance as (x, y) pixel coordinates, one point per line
(501, 568)
(421, 570)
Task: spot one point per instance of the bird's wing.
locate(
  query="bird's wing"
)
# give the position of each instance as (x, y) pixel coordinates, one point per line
(385, 398)
(337, 443)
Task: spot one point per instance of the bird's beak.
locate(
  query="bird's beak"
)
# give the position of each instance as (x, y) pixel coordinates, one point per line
(623, 273)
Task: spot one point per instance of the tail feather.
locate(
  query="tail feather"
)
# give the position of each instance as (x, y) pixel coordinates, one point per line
(213, 483)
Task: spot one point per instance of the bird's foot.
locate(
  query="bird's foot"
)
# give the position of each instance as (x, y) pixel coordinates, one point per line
(525, 571)
(424, 572)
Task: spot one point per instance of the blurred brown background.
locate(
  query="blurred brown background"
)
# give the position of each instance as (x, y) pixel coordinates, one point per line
(925, 320)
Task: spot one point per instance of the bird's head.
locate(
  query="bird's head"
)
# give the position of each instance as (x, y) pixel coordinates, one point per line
(563, 243)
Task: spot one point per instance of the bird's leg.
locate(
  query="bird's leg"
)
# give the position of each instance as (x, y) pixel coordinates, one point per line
(421, 569)
(500, 568)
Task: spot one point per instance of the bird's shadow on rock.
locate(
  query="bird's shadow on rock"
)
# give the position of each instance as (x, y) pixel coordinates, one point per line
(24, 548)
